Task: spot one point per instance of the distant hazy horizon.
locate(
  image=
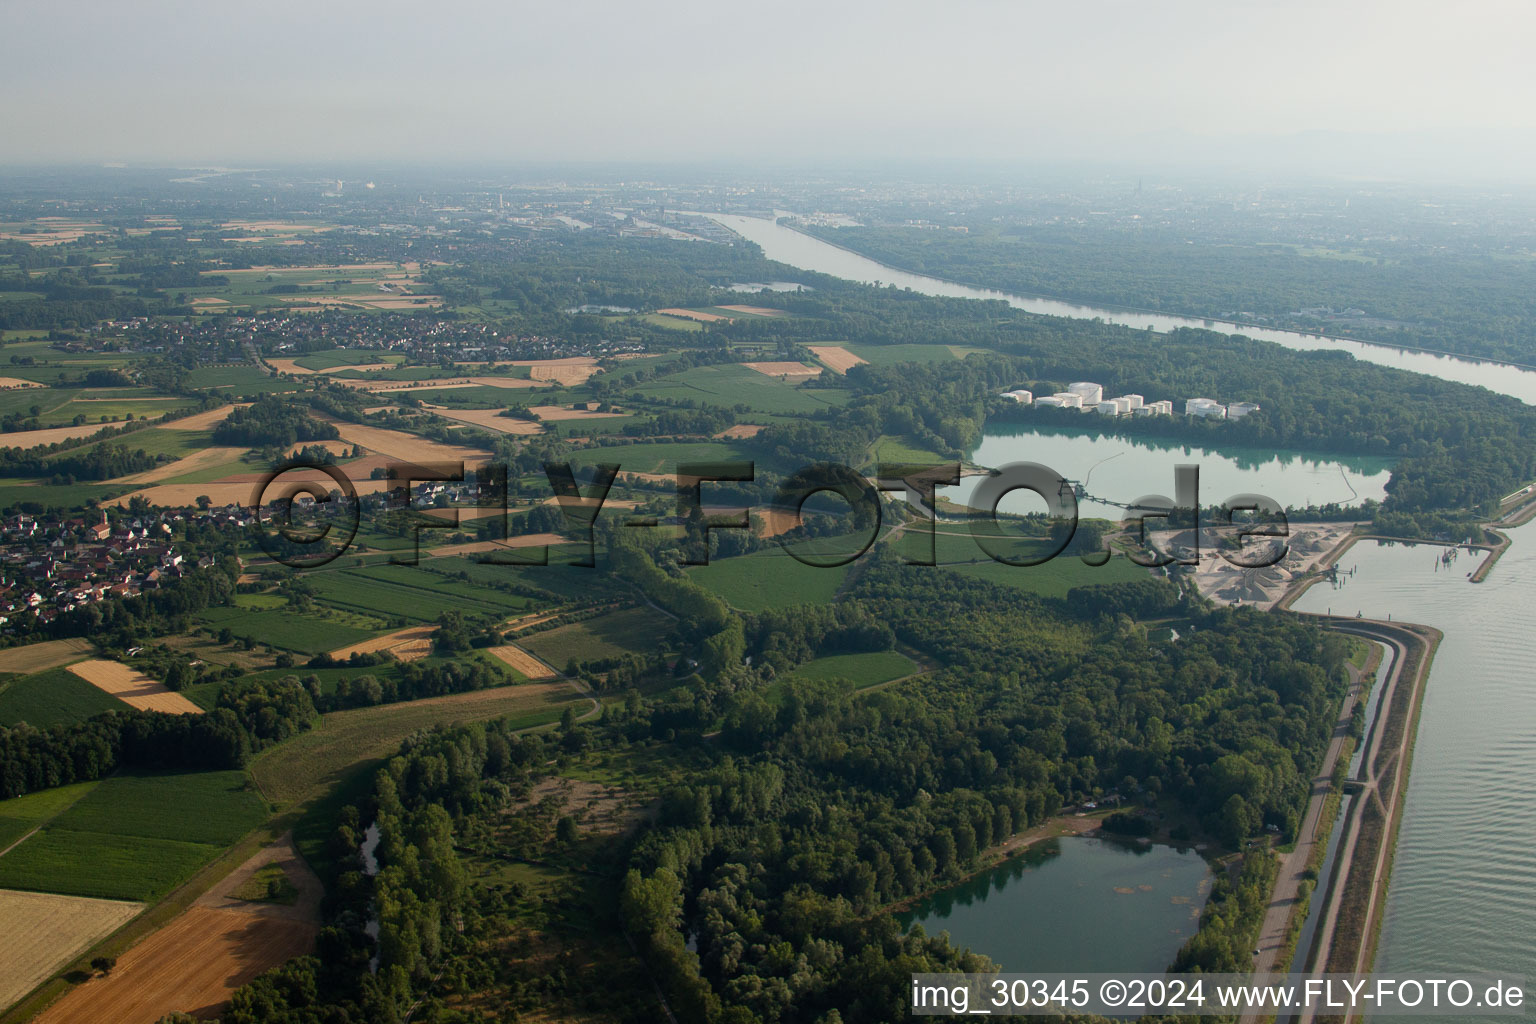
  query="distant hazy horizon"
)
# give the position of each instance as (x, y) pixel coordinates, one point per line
(1399, 90)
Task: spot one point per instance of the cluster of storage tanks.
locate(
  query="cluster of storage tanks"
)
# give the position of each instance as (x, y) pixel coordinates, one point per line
(1089, 397)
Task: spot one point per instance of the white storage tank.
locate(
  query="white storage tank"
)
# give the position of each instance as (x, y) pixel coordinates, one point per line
(1088, 391)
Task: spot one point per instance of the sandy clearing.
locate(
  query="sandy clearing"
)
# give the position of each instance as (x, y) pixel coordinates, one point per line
(490, 419)
(693, 314)
(554, 413)
(205, 459)
(283, 853)
(741, 431)
(837, 357)
(522, 661)
(133, 688)
(44, 932)
(757, 310)
(48, 654)
(399, 643)
(8, 383)
(784, 369)
(192, 965)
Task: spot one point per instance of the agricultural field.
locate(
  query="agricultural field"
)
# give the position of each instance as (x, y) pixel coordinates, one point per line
(290, 631)
(48, 654)
(214, 808)
(22, 814)
(607, 636)
(410, 593)
(238, 379)
(728, 385)
(132, 837)
(43, 932)
(102, 865)
(133, 687)
(658, 457)
(340, 358)
(194, 965)
(769, 578)
(52, 697)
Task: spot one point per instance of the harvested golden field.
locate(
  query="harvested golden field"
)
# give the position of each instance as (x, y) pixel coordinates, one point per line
(575, 370)
(837, 357)
(406, 447)
(43, 932)
(133, 688)
(774, 522)
(756, 310)
(489, 419)
(235, 490)
(693, 314)
(7, 383)
(49, 435)
(403, 644)
(288, 366)
(522, 661)
(741, 431)
(192, 965)
(37, 657)
(204, 420)
(783, 369)
(210, 301)
(208, 458)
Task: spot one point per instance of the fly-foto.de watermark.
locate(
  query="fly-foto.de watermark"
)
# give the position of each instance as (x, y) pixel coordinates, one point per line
(282, 495)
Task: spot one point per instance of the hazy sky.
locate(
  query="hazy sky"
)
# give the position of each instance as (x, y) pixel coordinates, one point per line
(801, 81)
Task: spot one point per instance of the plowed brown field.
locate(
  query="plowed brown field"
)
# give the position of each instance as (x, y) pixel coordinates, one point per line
(191, 965)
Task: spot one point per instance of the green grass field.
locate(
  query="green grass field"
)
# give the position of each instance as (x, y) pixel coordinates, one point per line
(730, 384)
(659, 457)
(240, 379)
(35, 494)
(958, 553)
(607, 636)
(203, 807)
(305, 634)
(769, 578)
(868, 669)
(54, 697)
(101, 865)
(22, 814)
(411, 592)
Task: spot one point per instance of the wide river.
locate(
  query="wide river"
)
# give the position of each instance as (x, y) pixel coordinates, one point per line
(798, 249)
(1463, 889)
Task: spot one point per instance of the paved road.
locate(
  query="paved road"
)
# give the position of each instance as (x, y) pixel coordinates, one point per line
(1287, 892)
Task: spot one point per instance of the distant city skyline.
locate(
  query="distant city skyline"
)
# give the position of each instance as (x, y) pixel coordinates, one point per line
(1393, 89)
